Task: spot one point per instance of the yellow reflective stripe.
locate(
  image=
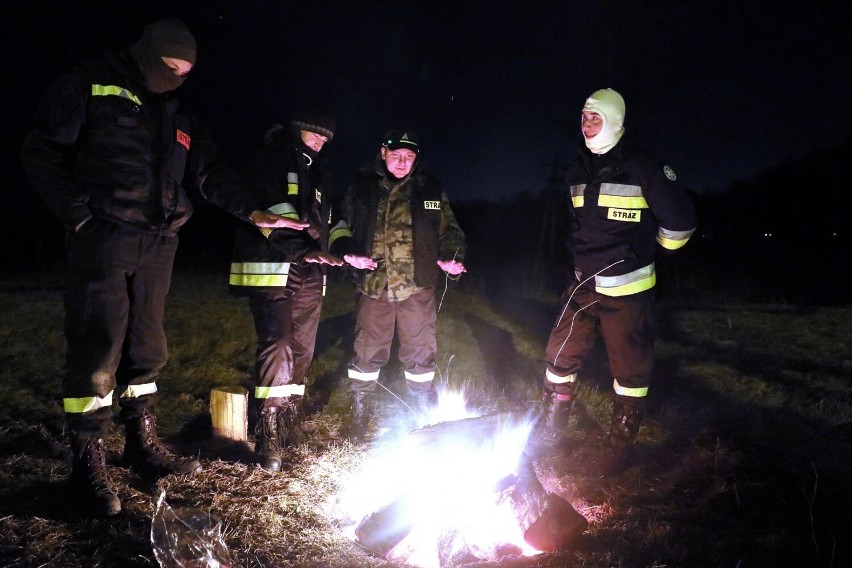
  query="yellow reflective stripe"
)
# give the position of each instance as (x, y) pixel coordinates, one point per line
(86, 403)
(279, 391)
(107, 90)
(624, 391)
(420, 377)
(285, 210)
(135, 391)
(257, 280)
(673, 240)
(292, 183)
(634, 282)
(577, 201)
(622, 202)
(341, 229)
(360, 376)
(557, 380)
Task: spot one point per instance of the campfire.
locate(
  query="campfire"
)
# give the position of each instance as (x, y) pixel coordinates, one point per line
(459, 489)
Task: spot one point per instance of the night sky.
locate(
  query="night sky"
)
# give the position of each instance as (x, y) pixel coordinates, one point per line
(721, 90)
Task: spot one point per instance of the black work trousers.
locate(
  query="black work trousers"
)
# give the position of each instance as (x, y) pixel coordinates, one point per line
(118, 280)
(628, 329)
(286, 323)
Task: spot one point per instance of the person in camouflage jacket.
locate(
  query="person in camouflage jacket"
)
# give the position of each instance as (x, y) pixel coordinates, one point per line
(401, 231)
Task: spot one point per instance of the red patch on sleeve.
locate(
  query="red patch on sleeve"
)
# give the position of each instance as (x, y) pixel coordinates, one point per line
(183, 139)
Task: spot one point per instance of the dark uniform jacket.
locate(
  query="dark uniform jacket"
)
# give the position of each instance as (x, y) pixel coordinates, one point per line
(428, 206)
(102, 145)
(624, 203)
(289, 183)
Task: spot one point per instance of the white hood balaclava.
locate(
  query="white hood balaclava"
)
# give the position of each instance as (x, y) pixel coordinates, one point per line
(610, 105)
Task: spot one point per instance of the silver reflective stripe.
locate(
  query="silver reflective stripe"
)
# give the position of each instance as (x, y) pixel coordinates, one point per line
(557, 380)
(621, 190)
(279, 391)
(260, 268)
(359, 376)
(624, 391)
(421, 377)
(135, 391)
(86, 403)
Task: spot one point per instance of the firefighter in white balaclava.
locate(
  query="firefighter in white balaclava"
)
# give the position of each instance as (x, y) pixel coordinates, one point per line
(626, 207)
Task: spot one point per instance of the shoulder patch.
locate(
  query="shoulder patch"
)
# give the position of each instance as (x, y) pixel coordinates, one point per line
(669, 173)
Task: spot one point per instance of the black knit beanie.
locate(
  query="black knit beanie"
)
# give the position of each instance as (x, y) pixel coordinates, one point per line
(319, 123)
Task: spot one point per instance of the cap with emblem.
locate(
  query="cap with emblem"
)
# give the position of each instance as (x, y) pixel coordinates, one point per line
(396, 139)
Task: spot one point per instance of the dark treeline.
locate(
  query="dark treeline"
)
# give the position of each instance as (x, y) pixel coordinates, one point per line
(781, 237)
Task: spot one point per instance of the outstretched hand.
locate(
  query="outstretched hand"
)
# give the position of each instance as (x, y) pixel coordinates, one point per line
(273, 221)
(363, 262)
(323, 258)
(452, 267)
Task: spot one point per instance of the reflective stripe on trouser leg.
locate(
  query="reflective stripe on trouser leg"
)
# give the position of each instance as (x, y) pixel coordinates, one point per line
(374, 326)
(627, 326)
(279, 391)
(571, 338)
(415, 321)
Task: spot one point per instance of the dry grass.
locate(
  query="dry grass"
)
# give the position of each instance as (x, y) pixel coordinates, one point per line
(744, 459)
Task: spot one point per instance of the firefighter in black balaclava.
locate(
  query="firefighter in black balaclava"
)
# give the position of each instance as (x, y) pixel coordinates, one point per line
(112, 154)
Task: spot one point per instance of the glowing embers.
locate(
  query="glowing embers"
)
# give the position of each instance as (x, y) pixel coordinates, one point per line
(457, 492)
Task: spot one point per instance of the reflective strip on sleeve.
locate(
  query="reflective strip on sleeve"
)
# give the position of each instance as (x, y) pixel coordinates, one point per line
(557, 380)
(622, 196)
(86, 403)
(292, 183)
(578, 195)
(624, 391)
(285, 210)
(360, 376)
(113, 90)
(324, 284)
(420, 377)
(673, 240)
(634, 282)
(259, 273)
(135, 391)
(279, 391)
(341, 229)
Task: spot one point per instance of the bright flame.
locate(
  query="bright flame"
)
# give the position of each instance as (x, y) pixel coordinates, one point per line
(447, 486)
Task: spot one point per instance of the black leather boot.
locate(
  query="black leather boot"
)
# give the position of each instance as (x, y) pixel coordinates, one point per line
(89, 485)
(144, 451)
(290, 417)
(624, 427)
(554, 419)
(268, 440)
(361, 412)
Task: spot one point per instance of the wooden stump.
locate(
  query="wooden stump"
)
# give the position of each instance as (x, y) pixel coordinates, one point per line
(229, 412)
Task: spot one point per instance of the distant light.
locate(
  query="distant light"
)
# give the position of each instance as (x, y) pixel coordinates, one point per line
(767, 234)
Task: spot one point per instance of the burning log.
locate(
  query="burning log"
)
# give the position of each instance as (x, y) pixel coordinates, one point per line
(549, 522)
(546, 521)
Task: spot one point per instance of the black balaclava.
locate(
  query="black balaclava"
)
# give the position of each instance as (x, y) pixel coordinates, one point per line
(166, 38)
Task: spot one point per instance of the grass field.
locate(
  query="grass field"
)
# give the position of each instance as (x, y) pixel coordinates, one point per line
(745, 458)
